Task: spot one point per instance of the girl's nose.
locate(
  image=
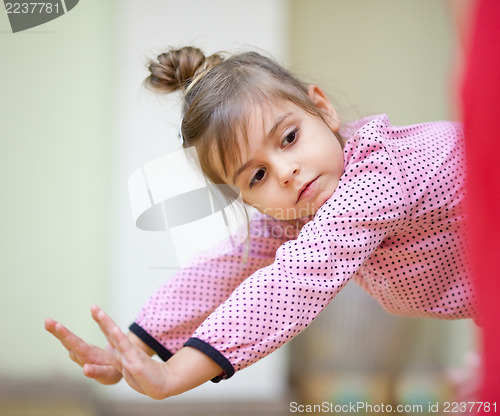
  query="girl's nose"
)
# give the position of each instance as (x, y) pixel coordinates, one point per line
(288, 173)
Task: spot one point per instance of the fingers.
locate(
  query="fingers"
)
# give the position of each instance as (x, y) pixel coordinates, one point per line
(120, 347)
(49, 324)
(69, 340)
(97, 363)
(53, 327)
(116, 338)
(105, 323)
(61, 333)
(114, 358)
(138, 369)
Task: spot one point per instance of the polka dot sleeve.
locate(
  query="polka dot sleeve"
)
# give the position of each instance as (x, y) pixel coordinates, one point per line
(178, 307)
(394, 224)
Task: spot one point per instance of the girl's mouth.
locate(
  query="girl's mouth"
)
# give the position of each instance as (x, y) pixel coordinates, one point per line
(307, 190)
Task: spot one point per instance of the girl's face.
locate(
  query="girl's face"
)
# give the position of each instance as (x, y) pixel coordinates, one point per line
(293, 161)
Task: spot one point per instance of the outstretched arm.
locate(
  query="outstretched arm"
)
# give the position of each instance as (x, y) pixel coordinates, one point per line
(178, 307)
(187, 369)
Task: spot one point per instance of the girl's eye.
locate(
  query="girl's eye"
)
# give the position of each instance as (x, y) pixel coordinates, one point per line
(259, 175)
(290, 138)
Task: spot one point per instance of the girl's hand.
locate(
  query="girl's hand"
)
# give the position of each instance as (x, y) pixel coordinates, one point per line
(94, 360)
(141, 372)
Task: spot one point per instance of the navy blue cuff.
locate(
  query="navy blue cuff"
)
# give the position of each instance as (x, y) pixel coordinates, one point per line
(215, 355)
(152, 343)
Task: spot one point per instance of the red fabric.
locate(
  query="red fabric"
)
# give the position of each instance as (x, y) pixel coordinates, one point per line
(481, 99)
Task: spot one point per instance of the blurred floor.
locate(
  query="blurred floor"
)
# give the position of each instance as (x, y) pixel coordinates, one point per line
(63, 397)
(58, 396)
(43, 409)
(67, 408)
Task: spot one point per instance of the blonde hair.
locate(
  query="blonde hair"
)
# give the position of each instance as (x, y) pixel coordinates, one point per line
(219, 95)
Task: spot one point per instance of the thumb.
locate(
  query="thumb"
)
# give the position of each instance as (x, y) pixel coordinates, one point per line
(104, 374)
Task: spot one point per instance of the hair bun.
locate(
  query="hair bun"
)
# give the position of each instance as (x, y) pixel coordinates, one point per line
(175, 69)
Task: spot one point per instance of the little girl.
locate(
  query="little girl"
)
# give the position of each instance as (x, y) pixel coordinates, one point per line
(378, 204)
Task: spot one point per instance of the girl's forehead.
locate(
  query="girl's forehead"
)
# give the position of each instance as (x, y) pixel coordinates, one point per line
(264, 117)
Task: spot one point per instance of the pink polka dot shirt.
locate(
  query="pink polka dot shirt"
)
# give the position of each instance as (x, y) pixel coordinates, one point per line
(394, 225)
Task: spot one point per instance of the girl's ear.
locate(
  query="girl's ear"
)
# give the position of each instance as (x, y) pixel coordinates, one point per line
(320, 100)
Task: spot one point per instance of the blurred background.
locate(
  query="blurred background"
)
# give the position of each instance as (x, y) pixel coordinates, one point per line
(75, 122)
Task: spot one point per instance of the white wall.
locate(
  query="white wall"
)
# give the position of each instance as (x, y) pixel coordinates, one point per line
(147, 127)
(56, 85)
